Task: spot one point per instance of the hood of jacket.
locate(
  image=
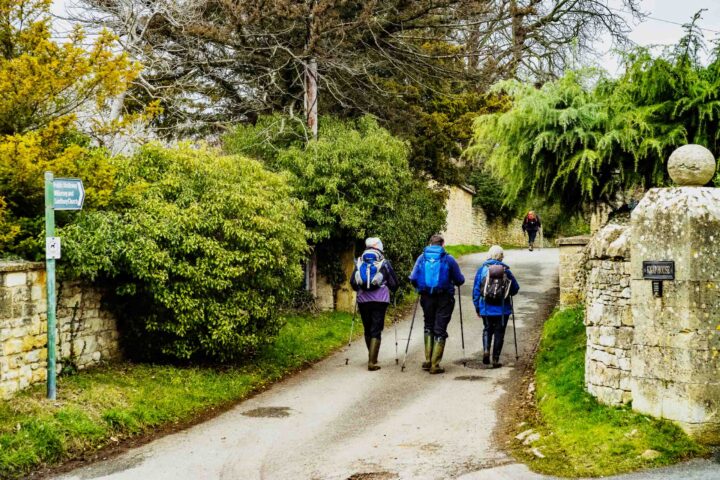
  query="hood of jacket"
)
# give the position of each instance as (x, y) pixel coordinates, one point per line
(435, 250)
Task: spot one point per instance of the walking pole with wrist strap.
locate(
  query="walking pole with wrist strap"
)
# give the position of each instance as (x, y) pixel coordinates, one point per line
(397, 359)
(462, 331)
(412, 322)
(352, 325)
(512, 307)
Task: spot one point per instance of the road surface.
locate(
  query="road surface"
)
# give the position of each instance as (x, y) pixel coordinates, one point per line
(341, 422)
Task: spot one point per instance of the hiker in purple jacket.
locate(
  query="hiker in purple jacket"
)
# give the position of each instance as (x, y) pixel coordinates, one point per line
(373, 279)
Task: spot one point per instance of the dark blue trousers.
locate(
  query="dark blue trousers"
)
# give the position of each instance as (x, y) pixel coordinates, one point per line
(494, 333)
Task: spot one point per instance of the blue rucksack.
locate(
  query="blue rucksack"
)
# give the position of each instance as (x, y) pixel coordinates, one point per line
(367, 270)
(434, 271)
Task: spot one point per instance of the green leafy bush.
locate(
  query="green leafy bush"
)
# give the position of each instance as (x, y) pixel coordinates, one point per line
(201, 250)
(355, 182)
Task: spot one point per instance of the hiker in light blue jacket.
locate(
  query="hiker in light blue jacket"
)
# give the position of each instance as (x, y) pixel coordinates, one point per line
(494, 285)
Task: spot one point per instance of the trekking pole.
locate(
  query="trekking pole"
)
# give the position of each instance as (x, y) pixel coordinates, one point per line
(512, 307)
(412, 322)
(352, 325)
(397, 360)
(462, 330)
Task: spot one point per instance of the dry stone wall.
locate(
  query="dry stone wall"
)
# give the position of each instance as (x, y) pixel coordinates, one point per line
(87, 332)
(608, 316)
(572, 269)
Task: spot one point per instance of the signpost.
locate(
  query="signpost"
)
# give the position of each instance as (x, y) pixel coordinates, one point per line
(657, 271)
(60, 194)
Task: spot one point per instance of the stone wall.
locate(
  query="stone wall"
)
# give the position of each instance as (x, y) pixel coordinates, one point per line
(509, 233)
(572, 269)
(87, 332)
(608, 316)
(461, 218)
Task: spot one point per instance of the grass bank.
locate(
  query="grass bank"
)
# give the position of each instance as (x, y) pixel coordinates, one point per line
(105, 406)
(578, 436)
(460, 250)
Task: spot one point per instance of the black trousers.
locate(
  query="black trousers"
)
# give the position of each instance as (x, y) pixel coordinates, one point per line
(437, 309)
(494, 333)
(531, 235)
(373, 318)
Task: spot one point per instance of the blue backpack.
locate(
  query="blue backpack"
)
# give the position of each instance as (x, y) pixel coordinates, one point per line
(434, 271)
(367, 270)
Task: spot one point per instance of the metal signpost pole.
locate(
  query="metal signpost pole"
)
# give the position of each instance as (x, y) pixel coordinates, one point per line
(60, 194)
(50, 266)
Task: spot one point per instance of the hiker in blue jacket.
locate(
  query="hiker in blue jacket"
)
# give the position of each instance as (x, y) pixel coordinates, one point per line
(494, 285)
(435, 275)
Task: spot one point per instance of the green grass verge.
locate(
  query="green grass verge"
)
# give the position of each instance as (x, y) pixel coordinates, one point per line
(103, 406)
(460, 250)
(579, 436)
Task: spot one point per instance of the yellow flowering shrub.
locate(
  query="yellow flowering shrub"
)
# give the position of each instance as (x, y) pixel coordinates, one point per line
(44, 87)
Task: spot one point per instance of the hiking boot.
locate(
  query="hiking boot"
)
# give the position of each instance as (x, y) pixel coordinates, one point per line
(531, 247)
(486, 358)
(428, 350)
(373, 354)
(437, 354)
(496, 362)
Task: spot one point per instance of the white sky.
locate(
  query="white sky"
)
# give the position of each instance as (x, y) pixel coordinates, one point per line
(653, 31)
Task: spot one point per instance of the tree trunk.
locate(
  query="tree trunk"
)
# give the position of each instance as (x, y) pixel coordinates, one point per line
(345, 296)
(311, 96)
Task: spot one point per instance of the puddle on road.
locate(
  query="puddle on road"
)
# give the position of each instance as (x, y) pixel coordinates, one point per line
(470, 378)
(268, 412)
(476, 364)
(374, 476)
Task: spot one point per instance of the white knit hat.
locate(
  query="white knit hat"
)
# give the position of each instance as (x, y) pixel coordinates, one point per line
(374, 242)
(496, 252)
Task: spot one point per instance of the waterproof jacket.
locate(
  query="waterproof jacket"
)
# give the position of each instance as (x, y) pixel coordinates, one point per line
(453, 278)
(382, 293)
(531, 225)
(481, 307)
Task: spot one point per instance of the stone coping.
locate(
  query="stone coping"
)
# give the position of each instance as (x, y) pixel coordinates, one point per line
(579, 240)
(9, 266)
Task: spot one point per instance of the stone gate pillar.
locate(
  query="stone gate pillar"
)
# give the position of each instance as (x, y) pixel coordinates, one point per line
(676, 360)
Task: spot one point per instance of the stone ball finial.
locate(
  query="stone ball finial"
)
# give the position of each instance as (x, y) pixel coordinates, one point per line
(691, 165)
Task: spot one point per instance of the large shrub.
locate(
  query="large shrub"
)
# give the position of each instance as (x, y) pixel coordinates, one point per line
(355, 182)
(201, 249)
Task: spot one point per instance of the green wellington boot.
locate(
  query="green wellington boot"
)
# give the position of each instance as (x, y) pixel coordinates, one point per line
(428, 350)
(437, 354)
(373, 354)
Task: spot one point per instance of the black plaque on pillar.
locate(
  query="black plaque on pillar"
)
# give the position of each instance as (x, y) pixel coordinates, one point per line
(659, 270)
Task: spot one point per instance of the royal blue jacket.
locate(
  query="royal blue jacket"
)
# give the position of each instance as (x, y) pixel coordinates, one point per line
(454, 277)
(492, 310)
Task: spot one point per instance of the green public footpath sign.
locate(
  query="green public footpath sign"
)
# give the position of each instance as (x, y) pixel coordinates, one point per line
(69, 194)
(60, 194)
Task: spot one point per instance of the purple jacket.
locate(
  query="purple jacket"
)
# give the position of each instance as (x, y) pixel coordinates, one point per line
(380, 294)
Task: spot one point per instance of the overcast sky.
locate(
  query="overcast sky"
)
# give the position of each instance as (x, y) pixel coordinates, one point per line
(661, 28)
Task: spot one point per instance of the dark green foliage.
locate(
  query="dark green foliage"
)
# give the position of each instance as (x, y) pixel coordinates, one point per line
(490, 196)
(355, 182)
(201, 250)
(573, 144)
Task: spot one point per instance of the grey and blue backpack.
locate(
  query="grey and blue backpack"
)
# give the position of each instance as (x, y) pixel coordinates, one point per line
(368, 274)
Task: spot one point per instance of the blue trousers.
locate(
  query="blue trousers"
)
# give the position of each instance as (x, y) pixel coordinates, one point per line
(494, 333)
